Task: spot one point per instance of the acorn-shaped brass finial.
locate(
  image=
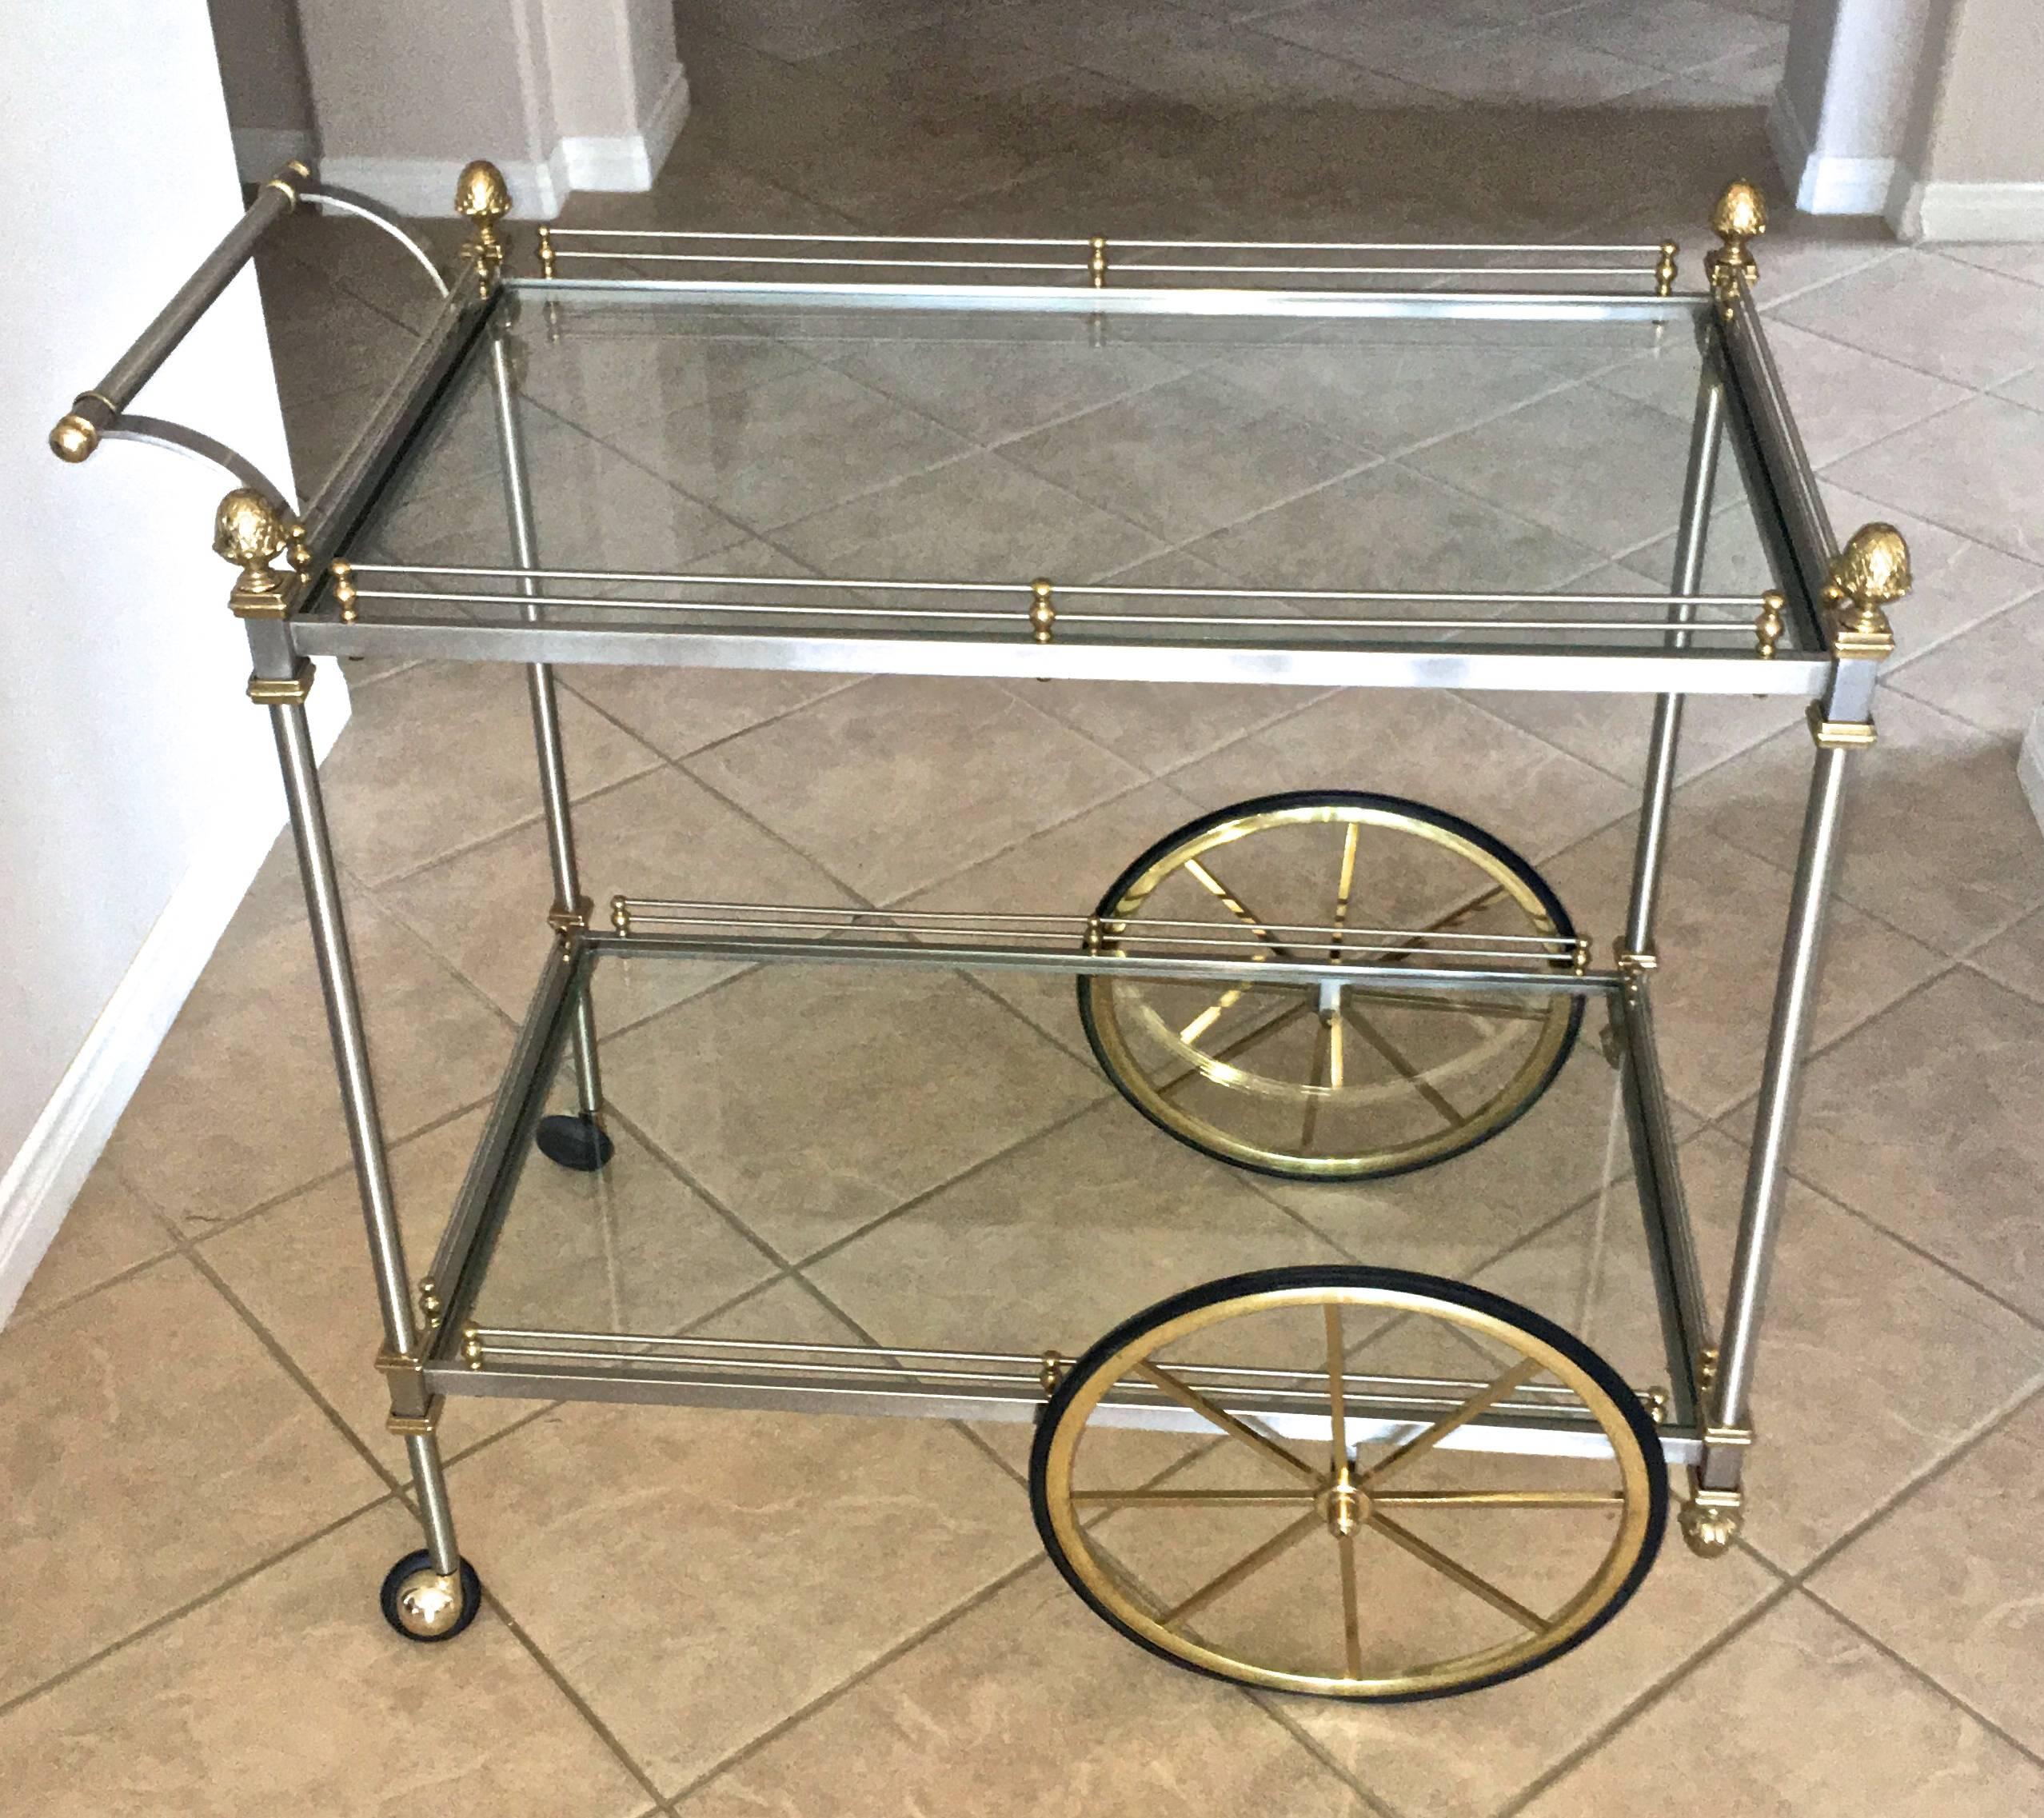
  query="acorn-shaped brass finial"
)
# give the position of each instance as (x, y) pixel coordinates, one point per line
(248, 532)
(1739, 218)
(1871, 574)
(480, 197)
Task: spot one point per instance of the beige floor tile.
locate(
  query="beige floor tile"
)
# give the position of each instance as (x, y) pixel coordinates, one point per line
(1671, 35)
(338, 346)
(788, 447)
(1186, 456)
(1027, 1704)
(1939, 840)
(393, 812)
(660, 835)
(1843, 399)
(1991, 677)
(290, 1694)
(1721, 917)
(1925, 1120)
(752, 1561)
(678, 711)
(992, 390)
(1433, 749)
(110, 1229)
(801, 29)
(1535, 67)
(810, 1101)
(895, 783)
(1611, 731)
(1060, 1241)
(154, 1449)
(1956, 321)
(1389, 527)
(1465, 1757)
(981, 517)
(240, 1105)
(2016, 957)
(1950, 1579)
(1064, 870)
(1800, 1714)
(606, 374)
(1976, 468)
(1872, 1363)
(1588, 465)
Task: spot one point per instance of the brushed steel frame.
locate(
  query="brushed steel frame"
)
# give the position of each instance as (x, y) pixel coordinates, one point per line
(1741, 406)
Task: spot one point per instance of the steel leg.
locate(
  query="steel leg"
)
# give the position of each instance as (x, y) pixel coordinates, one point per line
(344, 1018)
(546, 713)
(1712, 1519)
(1706, 439)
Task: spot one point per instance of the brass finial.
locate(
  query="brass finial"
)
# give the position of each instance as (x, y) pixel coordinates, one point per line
(546, 251)
(1870, 574)
(621, 916)
(1768, 628)
(1042, 615)
(344, 590)
(1664, 272)
(1096, 263)
(247, 531)
(73, 438)
(297, 547)
(480, 197)
(1740, 216)
(430, 1308)
(471, 1345)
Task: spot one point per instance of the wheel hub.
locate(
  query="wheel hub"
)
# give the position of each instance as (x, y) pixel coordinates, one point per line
(1343, 1505)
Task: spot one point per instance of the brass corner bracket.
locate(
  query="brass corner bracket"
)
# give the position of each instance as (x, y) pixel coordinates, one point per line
(570, 920)
(283, 691)
(1837, 735)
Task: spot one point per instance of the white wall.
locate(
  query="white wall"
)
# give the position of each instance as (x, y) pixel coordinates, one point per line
(560, 94)
(1842, 112)
(137, 788)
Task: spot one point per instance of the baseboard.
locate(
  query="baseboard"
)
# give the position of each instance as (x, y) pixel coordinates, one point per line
(262, 151)
(2030, 767)
(1825, 185)
(1918, 210)
(44, 1178)
(424, 186)
(629, 160)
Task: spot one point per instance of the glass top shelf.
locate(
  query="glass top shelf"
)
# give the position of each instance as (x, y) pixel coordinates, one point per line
(799, 460)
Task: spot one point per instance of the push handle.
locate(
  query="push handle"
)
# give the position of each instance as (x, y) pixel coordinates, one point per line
(94, 412)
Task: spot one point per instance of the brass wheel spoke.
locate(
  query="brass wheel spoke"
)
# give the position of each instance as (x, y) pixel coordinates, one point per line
(1407, 949)
(1322, 1046)
(1343, 887)
(1241, 1045)
(1351, 1618)
(1214, 1011)
(1404, 1068)
(1188, 1397)
(1485, 1399)
(1235, 907)
(1239, 1499)
(1497, 1499)
(1456, 1572)
(1337, 1389)
(1281, 1542)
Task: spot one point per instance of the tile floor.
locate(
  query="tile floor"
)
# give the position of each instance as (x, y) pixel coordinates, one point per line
(201, 1498)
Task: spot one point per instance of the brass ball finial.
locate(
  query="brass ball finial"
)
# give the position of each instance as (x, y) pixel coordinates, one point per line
(480, 196)
(1741, 216)
(248, 531)
(73, 438)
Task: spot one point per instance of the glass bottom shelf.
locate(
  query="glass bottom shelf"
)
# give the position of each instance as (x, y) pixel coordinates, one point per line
(914, 1188)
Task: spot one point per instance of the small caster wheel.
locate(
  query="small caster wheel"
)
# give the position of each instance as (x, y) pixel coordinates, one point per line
(422, 1605)
(574, 1140)
(1709, 1528)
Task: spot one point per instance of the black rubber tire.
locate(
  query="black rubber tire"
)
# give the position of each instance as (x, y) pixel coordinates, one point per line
(1324, 1275)
(395, 1577)
(574, 1140)
(1550, 903)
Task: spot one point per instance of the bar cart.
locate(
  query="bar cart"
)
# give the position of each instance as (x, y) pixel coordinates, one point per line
(1309, 990)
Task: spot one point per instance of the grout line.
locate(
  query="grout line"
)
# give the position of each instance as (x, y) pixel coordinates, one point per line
(156, 1624)
(985, 1594)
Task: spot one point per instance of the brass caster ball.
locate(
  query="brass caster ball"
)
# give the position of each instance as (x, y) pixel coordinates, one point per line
(425, 1605)
(1709, 1532)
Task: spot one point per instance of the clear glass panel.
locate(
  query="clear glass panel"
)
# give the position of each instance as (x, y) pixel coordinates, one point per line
(938, 1161)
(1204, 456)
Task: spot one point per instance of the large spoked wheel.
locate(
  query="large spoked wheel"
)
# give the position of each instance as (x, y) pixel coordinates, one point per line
(1397, 1562)
(1348, 1082)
